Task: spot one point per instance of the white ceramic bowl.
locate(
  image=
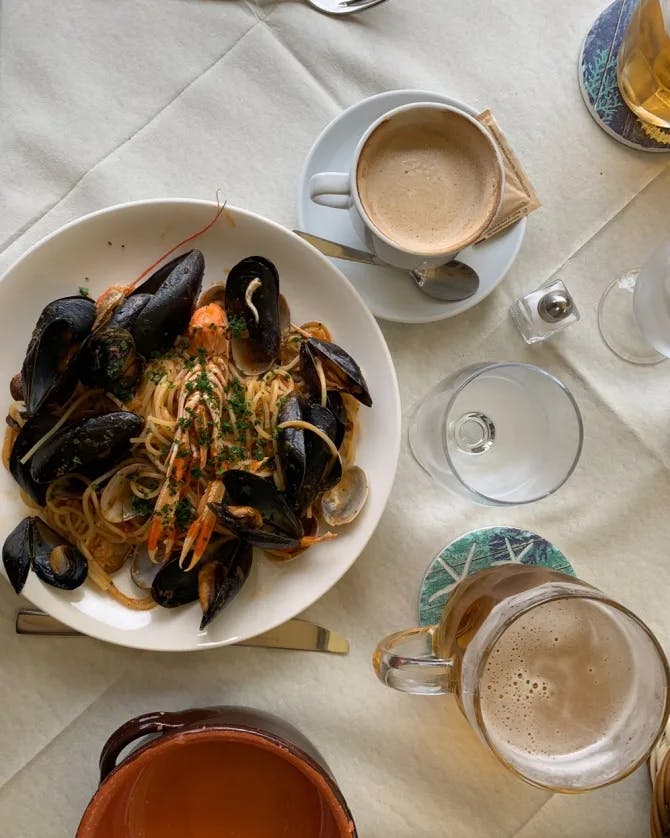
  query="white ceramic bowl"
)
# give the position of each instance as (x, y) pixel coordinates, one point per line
(114, 246)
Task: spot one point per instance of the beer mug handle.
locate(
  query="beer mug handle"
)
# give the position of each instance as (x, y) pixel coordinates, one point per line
(406, 661)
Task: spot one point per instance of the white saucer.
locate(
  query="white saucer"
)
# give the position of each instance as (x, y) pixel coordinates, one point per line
(389, 292)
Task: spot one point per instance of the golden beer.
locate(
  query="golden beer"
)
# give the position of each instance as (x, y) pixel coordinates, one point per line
(566, 687)
(643, 67)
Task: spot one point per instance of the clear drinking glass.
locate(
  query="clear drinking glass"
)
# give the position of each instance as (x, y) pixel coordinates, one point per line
(634, 311)
(498, 433)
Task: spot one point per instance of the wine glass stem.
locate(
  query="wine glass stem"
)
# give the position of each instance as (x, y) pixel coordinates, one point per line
(474, 433)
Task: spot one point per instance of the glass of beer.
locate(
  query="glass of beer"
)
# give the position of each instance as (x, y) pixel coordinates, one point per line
(643, 64)
(566, 687)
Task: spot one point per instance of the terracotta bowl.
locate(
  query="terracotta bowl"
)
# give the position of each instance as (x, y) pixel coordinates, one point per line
(177, 778)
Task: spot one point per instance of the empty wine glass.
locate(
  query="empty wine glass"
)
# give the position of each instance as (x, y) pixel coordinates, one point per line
(498, 433)
(634, 311)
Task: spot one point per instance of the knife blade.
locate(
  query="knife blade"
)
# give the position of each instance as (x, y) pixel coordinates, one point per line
(296, 634)
(340, 251)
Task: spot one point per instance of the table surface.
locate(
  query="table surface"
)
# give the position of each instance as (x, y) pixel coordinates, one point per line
(109, 102)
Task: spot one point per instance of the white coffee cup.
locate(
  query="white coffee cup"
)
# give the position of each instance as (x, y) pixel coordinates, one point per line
(466, 169)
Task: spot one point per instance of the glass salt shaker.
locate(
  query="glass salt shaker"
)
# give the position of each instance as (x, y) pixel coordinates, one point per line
(544, 312)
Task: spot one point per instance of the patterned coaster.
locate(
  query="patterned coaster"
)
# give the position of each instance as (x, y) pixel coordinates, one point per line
(597, 79)
(478, 550)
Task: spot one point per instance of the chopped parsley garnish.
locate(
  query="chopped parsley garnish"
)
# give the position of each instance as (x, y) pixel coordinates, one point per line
(156, 375)
(142, 506)
(83, 291)
(237, 324)
(184, 513)
(201, 383)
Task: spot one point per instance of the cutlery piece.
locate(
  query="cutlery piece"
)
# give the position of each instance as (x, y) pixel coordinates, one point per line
(343, 7)
(451, 282)
(294, 634)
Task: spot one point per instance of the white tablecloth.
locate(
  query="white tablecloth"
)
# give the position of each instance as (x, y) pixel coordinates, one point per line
(107, 102)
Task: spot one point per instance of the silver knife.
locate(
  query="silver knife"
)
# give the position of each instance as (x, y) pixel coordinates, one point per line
(340, 251)
(294, 634)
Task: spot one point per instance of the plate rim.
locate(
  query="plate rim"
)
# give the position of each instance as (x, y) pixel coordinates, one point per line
(418, 95)
(132, 640)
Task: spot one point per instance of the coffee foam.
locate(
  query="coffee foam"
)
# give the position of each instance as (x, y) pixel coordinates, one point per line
(428, 185)
(558, 681)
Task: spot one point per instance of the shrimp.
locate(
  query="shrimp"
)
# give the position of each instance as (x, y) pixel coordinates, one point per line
(197, 437)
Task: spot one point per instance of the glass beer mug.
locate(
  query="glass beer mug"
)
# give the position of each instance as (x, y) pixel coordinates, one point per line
(566, 687)
(643, 65)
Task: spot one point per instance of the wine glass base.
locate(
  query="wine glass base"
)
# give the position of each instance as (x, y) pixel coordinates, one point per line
(618, 325)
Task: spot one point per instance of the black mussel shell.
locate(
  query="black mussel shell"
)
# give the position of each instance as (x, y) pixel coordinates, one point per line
(54, 560)
(291, 451)
(322, 470)
(125, 315)
(49, 370)
(152, 283)
(111, 361)
(32, 431)
(167, 313)
(90, 446)
(246, 489)
(16, 554)
(257, 347)
(263, 538)
(340, 370)
(335, 404)
(173, 586)
(221, 579)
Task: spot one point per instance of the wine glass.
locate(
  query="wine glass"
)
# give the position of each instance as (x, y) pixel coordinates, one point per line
(498, 433)
(634, 311)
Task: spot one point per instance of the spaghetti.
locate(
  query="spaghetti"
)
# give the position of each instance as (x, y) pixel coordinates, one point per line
(202, 416)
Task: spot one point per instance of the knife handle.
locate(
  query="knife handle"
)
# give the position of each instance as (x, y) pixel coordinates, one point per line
(340, 251)
(36, 622)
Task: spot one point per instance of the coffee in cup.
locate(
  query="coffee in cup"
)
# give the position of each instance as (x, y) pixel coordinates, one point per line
(426, 182)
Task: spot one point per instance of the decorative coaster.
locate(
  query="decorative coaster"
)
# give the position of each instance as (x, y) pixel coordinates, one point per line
(598, 82)
(478, 550)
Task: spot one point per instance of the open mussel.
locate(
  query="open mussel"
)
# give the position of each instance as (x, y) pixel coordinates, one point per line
(167, 312)
(256, 512)
(326, 366)
(32, 543)
(173, 586)
(246, 489)
(221, 579)
(49, 371)
(218, 578)
(16, 554)
(252, 306)
(90, 446)
(32, 431)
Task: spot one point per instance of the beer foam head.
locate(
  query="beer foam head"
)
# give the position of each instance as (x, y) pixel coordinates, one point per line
(563, 694)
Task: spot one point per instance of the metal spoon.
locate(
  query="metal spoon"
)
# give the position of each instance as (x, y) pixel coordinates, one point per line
(451, 282)
(343, 7)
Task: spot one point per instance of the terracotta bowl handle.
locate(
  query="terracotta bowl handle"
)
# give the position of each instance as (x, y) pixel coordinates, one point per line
(133, 729)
